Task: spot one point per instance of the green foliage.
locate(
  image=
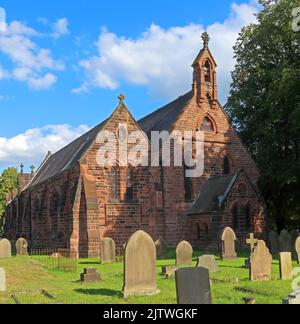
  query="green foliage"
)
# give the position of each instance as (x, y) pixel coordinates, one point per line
(264, 104)
(8, 181)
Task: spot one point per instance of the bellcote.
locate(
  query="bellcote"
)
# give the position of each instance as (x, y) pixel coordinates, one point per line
(205, 76)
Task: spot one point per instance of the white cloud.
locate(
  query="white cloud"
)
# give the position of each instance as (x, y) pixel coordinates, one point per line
(31, 63)
(160, 59)
(60, 28)
(33, 145)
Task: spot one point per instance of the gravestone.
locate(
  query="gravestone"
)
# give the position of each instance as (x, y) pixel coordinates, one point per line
(2, 280)
(5, 249)
(261, 263)
(21, 247)
(297, 247)
(208, 262)
(169, 271)
(285, 264)
(274, 242)
(285, 241)
(140, 266)
(293, 299)
(90, 275)
(252, 242)
(184, 254)
(161, 248)
(108, 251)
(228, 244)
(193, 286)
(294, 235)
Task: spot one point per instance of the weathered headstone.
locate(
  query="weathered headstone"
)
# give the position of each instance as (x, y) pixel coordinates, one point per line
(297, 247)
(208, 262)
(285, 263)
(294, 235)
(108, 251)
(161, 248)
(285, 241)
(293, 299)
(184, 254)
(90, 275)
(169, 271)
(2, 280)
(261, 263)
(193, 286)
(21, 247)
(5, 249)
(274, 241)
(140, 266)
(228, 244)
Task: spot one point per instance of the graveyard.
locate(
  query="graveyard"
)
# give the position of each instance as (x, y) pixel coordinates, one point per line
(30, 280)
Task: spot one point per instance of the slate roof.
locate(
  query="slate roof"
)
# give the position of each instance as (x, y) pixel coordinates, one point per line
(163, 118)
(66, 157)
(213, 194)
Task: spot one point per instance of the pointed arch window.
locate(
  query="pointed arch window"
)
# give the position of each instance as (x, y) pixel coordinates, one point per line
(235, 217)
(226, 166)
(114, 183)
(207, 125)
(55, 208)
(129, 184)
(207, 72)
(188, 186)
(247, 212)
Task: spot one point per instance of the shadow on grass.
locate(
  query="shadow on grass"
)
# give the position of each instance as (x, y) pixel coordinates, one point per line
(232, 266)
(101, 292)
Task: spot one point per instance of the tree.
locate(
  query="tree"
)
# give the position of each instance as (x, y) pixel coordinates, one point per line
(8, 181)
(264, 105)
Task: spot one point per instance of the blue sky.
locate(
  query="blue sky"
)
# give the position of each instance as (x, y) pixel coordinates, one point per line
(62, 66)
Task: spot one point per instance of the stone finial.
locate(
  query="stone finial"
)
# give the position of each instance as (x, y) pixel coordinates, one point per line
(22, 168)
(32, 167)
(206, 39)
(122, 98)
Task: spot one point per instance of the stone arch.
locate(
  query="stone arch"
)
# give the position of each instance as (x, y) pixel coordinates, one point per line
(55, 213)
(210, 118)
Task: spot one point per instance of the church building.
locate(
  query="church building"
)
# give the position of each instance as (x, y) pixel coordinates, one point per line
(71, 202)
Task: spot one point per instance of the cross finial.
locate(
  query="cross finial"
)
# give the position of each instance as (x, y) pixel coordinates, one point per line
(252, 241)
(205, 38)
(122, 98)
(22, 168)
(32, 169)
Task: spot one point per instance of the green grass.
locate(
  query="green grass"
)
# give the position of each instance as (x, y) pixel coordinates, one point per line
(26, 279)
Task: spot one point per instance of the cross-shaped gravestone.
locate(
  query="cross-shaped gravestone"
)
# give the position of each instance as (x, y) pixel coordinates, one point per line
(252, 241)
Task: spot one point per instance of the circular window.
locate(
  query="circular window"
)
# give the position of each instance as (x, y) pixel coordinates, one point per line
(243, 190)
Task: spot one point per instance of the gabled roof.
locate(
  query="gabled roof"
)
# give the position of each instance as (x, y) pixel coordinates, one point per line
(164, 118)
(66, 157)
(214, 194)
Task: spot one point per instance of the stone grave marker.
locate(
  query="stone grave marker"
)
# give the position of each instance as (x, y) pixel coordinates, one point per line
(261, 263)
(297, 247)
(274, 242)
(285, 263)
(108, 251)
(193, 286)
(5, 249)
(2, 280)
(140, 266)
(285, 241)
(294, 235)
(90, 275)
(252, 242)
(208, 262)
(293, 299)
(169, 271)
(161, 248)
(228, 244)
(21, 247)
(184, 254)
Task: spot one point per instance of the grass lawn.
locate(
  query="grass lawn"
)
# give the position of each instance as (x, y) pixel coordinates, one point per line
(27, 278)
